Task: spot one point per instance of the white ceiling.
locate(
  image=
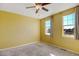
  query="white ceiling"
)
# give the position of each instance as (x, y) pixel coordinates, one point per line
(19, 8)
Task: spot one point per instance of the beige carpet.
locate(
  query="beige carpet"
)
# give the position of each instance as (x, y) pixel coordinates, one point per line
(38, 49)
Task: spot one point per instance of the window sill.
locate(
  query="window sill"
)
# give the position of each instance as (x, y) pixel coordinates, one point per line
(48, 34)
(68, 36)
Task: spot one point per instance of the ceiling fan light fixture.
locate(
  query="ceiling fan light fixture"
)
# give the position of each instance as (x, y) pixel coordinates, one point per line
(38, 6)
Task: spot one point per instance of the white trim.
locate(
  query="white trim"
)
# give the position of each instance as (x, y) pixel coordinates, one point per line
(18, 46)
(63, 48)
(66, 49)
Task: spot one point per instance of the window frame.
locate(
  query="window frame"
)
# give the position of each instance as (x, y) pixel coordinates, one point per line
(48, 19)
(67, 35)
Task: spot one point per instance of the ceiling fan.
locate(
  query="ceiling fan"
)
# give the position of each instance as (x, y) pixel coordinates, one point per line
(39, 6)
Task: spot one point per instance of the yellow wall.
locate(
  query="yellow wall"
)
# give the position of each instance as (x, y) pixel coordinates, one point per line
(17, 30)
(57, 38)
(43, 37)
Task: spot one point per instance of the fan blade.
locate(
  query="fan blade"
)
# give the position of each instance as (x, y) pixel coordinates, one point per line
(37, 11)
(30, 7)
(44, 9)
(38, 3)
(43, 4)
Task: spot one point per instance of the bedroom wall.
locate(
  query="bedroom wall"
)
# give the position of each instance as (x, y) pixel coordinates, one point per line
(57, 38)
(17, 30)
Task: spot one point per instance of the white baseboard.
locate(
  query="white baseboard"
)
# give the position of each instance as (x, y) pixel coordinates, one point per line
(18, 46)
(75, 52)
(42, 42)
(66, 49)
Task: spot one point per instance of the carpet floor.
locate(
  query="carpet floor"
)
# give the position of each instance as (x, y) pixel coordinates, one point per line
(37, 49)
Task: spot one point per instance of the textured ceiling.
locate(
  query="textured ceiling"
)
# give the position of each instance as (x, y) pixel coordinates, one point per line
(19, 8)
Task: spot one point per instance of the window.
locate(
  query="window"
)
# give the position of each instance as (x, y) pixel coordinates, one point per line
(69, 24)
(47, 27)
